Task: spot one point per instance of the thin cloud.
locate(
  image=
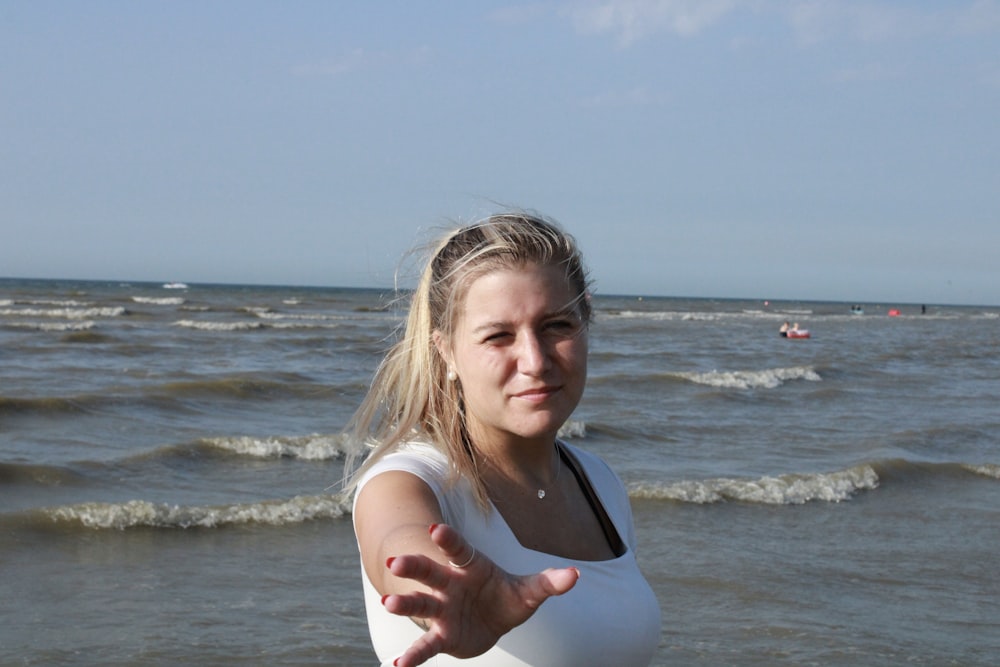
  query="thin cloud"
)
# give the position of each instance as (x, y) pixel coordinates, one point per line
(989, 75)
(632, 20)
(814, 22)
(518, 14)
(810, 21)
(868, 73)
(981, 17)
(635, 97)
(343, 64)
(359, 59)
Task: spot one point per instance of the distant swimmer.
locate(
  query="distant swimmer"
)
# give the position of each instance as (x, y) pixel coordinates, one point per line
(793, 331)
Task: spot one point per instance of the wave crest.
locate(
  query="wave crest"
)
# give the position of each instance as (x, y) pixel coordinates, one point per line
(573, 429)
(66, 313)
(159, 301)
(765, 379)
(791, 489)
(83, 325)
(219, 326)
(252, 325)
(314, 447)
(141, 513)
(984, 469)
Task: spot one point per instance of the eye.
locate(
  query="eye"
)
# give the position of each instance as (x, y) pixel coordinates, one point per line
(497, 337)
(563, 326)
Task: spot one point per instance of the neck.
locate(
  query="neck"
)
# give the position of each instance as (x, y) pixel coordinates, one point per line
(529, 470)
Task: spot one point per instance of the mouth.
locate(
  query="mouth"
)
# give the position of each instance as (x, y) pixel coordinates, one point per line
(537, 394)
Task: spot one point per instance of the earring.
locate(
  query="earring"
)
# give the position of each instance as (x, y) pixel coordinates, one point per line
(452, 375)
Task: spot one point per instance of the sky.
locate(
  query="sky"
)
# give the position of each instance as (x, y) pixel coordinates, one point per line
(803, 150)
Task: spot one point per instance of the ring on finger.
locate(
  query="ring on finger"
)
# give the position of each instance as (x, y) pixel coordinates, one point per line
(466, 563)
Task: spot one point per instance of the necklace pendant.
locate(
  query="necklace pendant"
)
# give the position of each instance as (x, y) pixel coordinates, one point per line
(541, 493)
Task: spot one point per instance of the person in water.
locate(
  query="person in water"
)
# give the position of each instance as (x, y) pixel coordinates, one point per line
(484, 539)
(783, 329)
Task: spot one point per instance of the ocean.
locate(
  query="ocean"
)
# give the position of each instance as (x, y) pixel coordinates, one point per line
(169, 461)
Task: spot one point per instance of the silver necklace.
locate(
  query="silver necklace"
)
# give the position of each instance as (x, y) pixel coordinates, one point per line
(541, 492)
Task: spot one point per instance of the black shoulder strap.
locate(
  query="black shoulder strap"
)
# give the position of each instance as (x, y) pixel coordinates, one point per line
(610, 532)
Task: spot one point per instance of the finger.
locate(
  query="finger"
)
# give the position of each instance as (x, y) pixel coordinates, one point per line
(417, 605)
(539, 587)
(419, 568)
(460, 553)
(422, 650)
(557, 581)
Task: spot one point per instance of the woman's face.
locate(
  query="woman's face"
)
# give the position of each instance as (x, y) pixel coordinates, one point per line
(520, 352)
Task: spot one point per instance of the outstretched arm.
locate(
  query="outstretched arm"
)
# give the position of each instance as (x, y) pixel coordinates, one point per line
(427, 571)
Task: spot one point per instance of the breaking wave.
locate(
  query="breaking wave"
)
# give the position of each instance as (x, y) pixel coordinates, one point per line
(763, 379)
(314, 447)
(82, 325)
(251, 325)
(984, 469)
(140, 513)
(159, 301)
(791, 489)
(65, 313)
(573, 430)
(219, 326)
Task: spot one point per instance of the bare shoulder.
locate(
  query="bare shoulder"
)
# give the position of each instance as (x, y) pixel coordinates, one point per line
(396, 492)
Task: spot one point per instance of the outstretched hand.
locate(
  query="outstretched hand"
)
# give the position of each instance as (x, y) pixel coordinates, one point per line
(472, 601)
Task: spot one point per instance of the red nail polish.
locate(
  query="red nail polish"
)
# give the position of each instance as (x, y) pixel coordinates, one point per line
(395, 663)
(431, 529)
(388, 561)
(384, 597)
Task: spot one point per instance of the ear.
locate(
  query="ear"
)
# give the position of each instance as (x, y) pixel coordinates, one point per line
(443, 347)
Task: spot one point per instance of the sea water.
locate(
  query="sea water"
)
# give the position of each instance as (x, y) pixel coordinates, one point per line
(169, 461)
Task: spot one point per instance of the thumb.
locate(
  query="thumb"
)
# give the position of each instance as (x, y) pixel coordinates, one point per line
(550, 582)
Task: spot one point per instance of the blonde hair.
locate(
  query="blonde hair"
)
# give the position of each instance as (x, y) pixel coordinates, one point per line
(410, 396)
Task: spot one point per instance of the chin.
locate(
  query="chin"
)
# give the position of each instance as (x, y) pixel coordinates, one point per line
(539, 430)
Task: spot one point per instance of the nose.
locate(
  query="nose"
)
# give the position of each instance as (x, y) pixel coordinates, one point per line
(533, 356)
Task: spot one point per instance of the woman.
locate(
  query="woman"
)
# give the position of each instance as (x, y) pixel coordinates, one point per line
(484, 540)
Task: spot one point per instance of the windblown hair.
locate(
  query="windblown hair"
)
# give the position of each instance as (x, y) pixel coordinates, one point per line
(410, 397)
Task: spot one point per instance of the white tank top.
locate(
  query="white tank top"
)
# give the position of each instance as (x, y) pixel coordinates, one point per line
(610, 618)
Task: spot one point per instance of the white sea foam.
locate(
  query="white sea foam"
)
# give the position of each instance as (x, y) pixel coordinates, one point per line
(135, 513)
(792, 489)
(219, 326)
(66, 303)
(764, 379)
(253, 325)
(270, 315)
(701, 316)
(319, 447)
(663, 315)
(308, 447)
(303, 325)
(54, 326)
(65, 313)
(573, 429)
(159, 301)
(985, 469)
